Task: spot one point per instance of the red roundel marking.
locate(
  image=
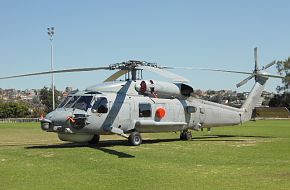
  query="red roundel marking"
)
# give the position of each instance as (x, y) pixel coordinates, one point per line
(160, 112)
(143, 87)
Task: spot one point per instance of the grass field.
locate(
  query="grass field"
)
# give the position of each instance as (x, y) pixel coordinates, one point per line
(255, 155)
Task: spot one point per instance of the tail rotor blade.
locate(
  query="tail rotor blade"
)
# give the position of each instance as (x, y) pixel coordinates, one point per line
(269, 65)
(256, 58)
(244, 81)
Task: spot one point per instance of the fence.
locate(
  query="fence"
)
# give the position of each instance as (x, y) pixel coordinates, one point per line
(18, 120)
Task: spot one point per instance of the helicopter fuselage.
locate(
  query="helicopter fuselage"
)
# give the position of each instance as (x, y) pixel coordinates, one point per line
(120, 108)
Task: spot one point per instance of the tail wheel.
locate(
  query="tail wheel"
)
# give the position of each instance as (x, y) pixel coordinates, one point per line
(135, 139)
(95, 139)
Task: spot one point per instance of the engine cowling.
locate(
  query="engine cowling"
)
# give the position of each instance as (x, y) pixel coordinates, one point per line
(163, 89)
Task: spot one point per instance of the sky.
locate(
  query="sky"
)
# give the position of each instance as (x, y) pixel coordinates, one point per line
(209, 34)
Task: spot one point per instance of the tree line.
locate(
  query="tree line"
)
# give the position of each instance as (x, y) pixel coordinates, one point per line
(22, 109)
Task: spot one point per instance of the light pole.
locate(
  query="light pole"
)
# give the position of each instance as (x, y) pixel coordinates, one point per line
(50, 32)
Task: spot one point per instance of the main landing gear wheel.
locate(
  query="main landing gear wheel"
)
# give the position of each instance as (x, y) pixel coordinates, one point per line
(95, 140)
(185, 135)
(135, 139)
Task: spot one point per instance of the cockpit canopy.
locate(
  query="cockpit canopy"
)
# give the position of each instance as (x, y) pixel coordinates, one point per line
(77, 102)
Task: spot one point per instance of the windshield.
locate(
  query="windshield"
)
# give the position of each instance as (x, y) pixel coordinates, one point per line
(64, 101)
(77, 102)
(71, 101)
(83, 103)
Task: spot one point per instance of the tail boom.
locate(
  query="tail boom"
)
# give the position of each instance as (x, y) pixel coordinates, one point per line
(253, 98)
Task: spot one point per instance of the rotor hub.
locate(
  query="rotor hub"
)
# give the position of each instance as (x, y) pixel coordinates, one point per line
(131, 65)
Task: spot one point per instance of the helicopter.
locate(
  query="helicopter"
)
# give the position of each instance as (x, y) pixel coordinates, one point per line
(135, 105)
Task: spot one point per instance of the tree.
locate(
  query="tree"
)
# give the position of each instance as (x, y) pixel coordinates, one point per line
(283, 68)
(282, 99)
(46, 98)
(13, 110)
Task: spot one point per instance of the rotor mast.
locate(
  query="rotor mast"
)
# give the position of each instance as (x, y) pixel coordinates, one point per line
(132, 67)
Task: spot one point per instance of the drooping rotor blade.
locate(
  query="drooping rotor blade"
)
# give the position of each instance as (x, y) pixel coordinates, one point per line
(208, 69)
(57, 71)
(164, 73)
(116, 75)
(248, 73)
(185, 68)
(244, 81)
(269, 65)
(226, 71)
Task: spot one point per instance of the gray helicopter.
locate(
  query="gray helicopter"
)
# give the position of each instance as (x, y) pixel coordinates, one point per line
(134, 105)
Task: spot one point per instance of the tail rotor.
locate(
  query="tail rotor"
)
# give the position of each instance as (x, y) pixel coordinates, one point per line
(257, 72)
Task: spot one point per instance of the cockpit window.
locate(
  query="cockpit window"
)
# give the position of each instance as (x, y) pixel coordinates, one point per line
(71, 101)
(64, 102)
(77, 102)
(83, 103)
(100, 106)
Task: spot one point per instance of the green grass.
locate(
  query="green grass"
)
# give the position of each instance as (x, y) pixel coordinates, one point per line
(255, 155)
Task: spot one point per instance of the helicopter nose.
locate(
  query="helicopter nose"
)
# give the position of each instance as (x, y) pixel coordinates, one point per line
(55, 120)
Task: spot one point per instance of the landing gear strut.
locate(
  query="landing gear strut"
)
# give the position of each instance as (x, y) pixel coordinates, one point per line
(135, 139)
(95, 140)
(185, 135)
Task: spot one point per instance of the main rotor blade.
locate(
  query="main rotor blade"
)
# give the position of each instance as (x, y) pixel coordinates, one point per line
(57, 71)
(226, 71)
(116, 75)
(269, 65)
(164, 73)
(244, 81)
(208, 69)
(248, 73)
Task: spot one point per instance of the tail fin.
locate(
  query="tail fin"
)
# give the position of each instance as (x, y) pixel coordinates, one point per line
(253, 98)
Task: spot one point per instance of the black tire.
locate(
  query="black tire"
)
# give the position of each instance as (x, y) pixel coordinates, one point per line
(95, 140)
(135, 139)
(182, 136)
(185, 135)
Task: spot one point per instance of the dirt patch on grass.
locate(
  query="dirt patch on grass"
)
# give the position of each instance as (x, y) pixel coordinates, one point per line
(248, 142)
(47, 155)
(284, 174)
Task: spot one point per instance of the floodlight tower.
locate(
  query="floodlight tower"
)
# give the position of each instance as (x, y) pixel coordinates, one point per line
(50, 32)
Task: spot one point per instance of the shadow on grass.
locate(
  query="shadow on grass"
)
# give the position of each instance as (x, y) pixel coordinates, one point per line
(245, 136)
(106, 145)
(230, 138)
(102, 147)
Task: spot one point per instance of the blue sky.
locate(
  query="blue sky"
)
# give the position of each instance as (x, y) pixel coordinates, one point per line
(213, 34)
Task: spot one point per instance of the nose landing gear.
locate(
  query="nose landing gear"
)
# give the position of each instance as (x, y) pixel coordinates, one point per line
(185, 135)
(95, 140)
